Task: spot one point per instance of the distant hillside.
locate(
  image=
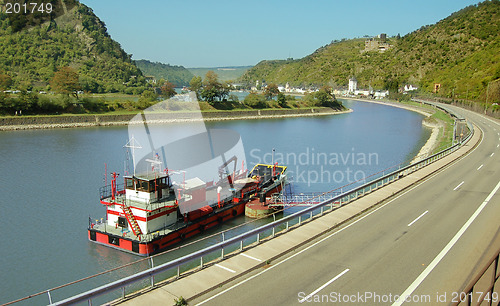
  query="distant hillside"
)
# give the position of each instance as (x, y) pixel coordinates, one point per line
(178, 75)
(224, 73)
(79, 39)
(460, 52)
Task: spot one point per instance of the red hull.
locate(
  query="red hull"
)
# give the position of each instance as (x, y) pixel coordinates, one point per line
(164, 242)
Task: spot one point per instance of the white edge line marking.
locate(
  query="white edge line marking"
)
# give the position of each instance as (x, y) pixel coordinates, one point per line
(347, 226)
(492, 154)
(326, 284)
(480, 167)
(251, 257)
(227, 269)
(418, 218)
(459, 185)
(444, 251)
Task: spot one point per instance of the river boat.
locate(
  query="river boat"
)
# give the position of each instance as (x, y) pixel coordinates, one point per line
(149, 213)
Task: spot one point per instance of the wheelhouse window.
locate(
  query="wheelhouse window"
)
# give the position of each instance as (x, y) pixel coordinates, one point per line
(129, 183)
(153, 185)
(143, 186)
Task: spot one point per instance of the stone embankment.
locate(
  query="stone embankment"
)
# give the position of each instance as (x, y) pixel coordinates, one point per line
(71, 121)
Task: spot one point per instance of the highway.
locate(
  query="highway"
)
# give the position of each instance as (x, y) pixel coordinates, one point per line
(423, 245)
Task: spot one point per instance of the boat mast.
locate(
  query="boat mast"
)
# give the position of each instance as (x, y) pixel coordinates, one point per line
(133, 144)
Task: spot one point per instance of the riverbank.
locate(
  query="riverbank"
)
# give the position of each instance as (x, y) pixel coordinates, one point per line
(435, 125)
(73, 121)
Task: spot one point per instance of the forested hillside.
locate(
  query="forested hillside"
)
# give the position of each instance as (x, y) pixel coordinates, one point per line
(178, 75)
(460, 52)
(29, 57)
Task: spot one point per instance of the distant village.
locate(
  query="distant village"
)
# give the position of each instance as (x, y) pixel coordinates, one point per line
(352, 90)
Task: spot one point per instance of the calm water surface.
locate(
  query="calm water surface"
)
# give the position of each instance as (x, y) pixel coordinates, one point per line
(50, 179)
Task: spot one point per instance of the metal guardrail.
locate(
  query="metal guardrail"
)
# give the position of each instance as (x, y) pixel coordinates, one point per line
(302, 199)
(294, 219)
(482, 290)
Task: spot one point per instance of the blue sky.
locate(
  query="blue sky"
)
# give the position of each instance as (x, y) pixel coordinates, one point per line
(237, 33)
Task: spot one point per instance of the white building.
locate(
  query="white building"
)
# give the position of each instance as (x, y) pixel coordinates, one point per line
(380, 94)
(410, 88)
(353, 84)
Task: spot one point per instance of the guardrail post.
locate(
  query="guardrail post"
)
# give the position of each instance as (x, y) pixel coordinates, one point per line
(201, 262)
(311, 217)
(241, 245)
(222, 253)
(258, 237)
(152, 276)
(287, 225)
(273, 231)
(178, 271)
(123, 293)
(321, 213)
(300, 219)
(50, 298)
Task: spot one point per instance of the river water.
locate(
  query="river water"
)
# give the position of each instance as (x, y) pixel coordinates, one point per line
(49, 181)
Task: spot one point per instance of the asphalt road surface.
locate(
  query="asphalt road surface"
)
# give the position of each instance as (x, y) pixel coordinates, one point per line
(422, 246)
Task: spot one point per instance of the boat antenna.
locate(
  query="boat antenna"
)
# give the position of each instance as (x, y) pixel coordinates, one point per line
(133, 144)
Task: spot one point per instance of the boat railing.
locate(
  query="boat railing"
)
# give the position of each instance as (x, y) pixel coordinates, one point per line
(107, 191)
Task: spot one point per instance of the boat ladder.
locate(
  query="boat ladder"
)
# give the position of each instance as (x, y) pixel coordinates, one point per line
(131, 220)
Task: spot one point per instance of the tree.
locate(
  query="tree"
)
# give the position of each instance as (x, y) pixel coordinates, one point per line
(271, 91)
(5, 81)
(212, 88)
(65, 81)
(324, 96)
(391, 83)
(281, 99)
(146, 99)
(254, 100)
(195, 85)
(226, 87)
(168, 90)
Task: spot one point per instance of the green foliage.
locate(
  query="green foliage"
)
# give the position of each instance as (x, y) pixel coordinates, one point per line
(79, 40)
(281, 98)
(167, 90)
(270, 91)
(147, 99)
(323, 97)
(254, 100)
(178, 75)
(65, 81)
(5, 81)
(195, 85)
(211, 88)
(180, 301)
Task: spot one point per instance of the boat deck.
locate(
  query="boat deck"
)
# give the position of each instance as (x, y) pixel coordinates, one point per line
(127, 232)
